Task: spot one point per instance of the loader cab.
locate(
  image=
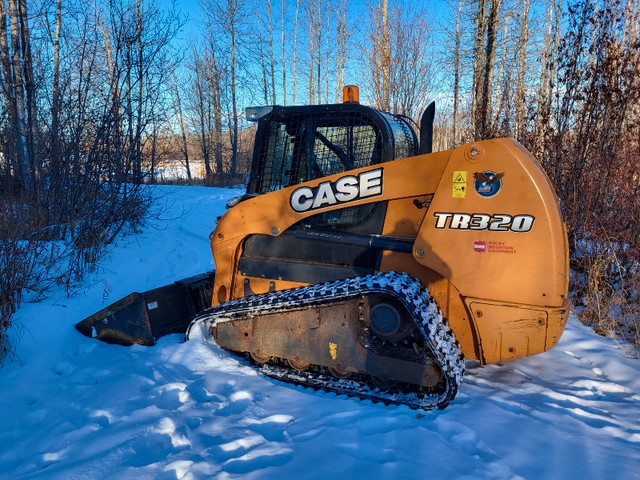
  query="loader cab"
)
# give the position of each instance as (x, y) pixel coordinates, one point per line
(298, 144)
(302, 143)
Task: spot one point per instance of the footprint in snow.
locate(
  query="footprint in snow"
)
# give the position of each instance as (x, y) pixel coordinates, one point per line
(259, 459)
(271, 428)
(63, 368)
(237, 403)
(170, 396)
(199, 392)
(238, 447)
(466, 438)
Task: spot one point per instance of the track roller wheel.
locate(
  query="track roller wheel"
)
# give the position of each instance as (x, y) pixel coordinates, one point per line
(297, 364)
(389, 322)
(338, 372)
(260, 357)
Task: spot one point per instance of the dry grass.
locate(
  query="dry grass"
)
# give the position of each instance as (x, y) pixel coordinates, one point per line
(607, 298)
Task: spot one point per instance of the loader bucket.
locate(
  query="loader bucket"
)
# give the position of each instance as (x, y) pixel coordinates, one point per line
(144, 317)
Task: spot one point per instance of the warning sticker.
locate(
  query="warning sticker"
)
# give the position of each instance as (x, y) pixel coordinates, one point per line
(459, 184)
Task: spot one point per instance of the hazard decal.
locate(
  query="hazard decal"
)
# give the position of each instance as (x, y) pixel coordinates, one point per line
(459, 184)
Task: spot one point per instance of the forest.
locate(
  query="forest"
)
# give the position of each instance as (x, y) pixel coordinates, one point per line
(97, 96)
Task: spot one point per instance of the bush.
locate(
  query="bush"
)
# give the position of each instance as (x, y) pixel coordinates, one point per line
(37, 252)
(590, 150)
(23, 262)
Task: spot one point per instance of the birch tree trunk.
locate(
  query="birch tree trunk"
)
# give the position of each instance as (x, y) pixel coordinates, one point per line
(523, 41)
(55, 93)
(233, 131)
(326, 58)
(30, 91)
(19, 101)
(503, 84)
(479, 65)
(295, 54)
(9, 91)
(386, 57)
(456, 74)
(201, 100)
(284, 70)
(271, 56)
(341, 57)
(484, 109)
(312, 49)
(318, 54)
(183, 130)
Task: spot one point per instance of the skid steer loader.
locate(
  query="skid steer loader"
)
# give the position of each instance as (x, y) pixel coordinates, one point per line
(359, 262)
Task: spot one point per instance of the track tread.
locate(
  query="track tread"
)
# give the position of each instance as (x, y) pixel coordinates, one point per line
(421, 306)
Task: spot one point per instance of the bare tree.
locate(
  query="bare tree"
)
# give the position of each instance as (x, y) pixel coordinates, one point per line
(181, 123)
(547, 73)
(225, 20)
(341, 34)
(398, 73)
(206, 104)
(272, 62)
(486, 66)
(263, 62)
(17, 19)
(523, 42)
(295, 54)
(379, 58)
(283, 59)
(83, 90)
(312, 8)
(55, 91)
(456, 72)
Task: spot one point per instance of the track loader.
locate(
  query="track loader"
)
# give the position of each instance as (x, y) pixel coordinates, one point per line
(359, 262)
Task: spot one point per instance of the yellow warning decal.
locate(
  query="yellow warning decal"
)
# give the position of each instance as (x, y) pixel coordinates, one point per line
(459, 184)
(333, 350)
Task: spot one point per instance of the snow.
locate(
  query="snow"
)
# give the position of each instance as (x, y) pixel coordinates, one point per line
(76, 408)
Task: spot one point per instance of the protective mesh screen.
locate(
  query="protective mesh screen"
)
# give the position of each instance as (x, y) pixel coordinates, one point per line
(404, 139)
(301, 147)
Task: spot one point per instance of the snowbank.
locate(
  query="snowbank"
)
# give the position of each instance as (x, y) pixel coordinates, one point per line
(78, 408)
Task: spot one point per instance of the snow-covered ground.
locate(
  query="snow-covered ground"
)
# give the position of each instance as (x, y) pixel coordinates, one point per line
(76, 408)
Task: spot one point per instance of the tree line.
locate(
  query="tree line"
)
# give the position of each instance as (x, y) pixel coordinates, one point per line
(83, 89)
(94, 96)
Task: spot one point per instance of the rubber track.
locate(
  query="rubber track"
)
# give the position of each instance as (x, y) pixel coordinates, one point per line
(420, 305)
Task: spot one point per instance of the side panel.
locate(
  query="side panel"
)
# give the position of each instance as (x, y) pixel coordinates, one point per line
(446, 296)
(510, 331)
(503, 240)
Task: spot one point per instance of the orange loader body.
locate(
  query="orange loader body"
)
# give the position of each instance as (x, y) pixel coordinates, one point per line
(497, 265)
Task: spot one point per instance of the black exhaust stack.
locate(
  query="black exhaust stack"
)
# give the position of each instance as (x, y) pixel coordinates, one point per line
(426, 129)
